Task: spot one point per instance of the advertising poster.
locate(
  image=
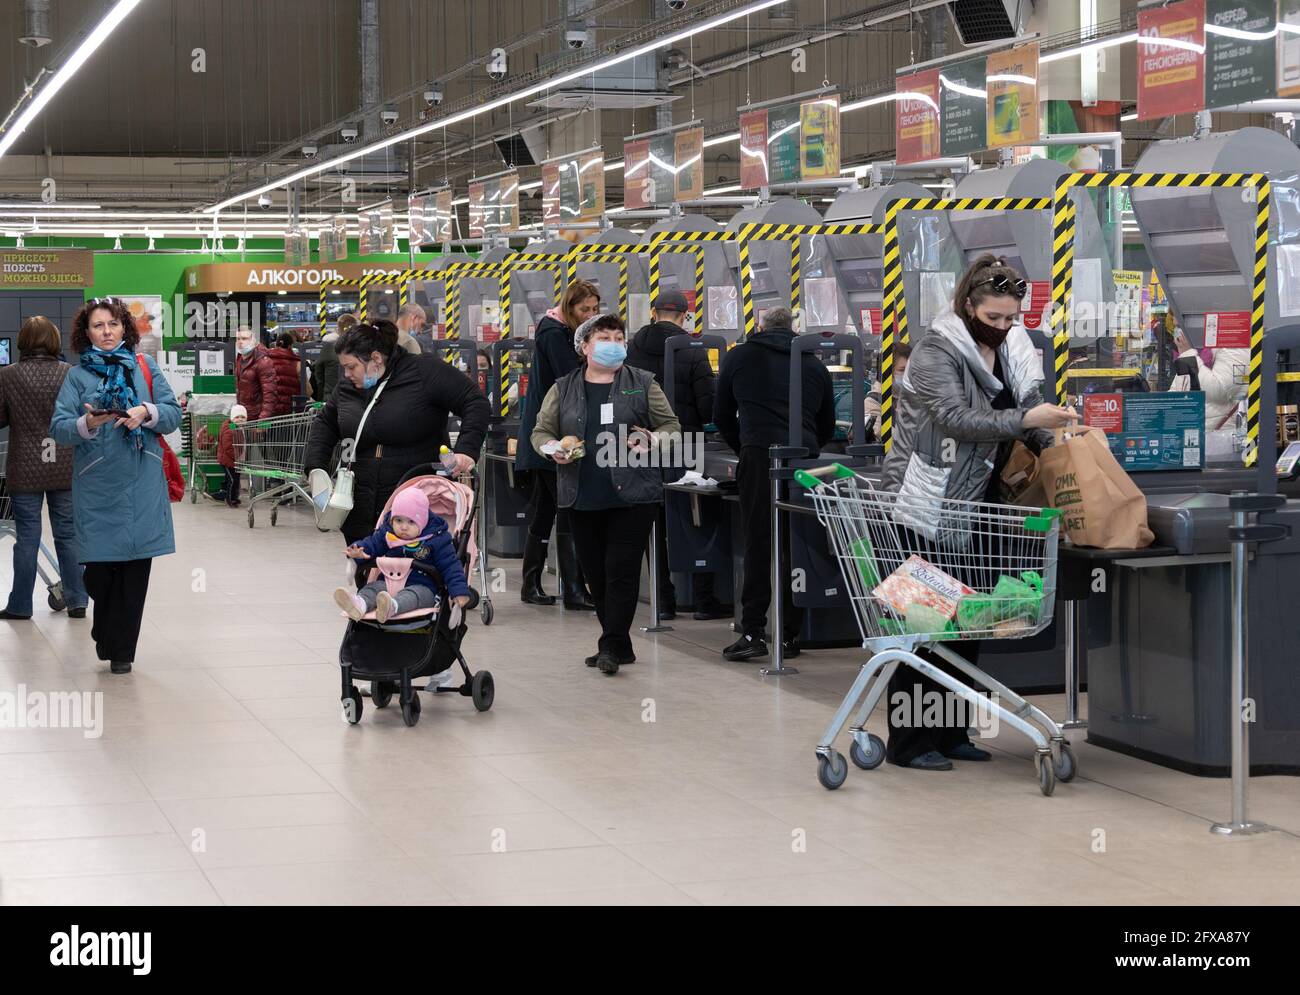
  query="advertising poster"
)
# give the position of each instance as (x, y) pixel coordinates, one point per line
(297, 247)
(1171, 59)
(1240, 51)
(339, 224)
(753, 149)
(551, 193)
(963, 108)
(1033, 309)
(477, 206)
(916, 120)
(636, 166)
(494, 205)
(663, 163)
(47, 269)
(1128, 302)
(1227, 330)
(378, 232)
(146, 313)
(591, 185)
(783, 143)
(443, 216)
(1288, 48)
(1011, 81)
(419, 218)
(507, 201)
(819, 141)
(688, 154)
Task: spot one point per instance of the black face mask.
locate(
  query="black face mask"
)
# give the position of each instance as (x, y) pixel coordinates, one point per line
(986, 334)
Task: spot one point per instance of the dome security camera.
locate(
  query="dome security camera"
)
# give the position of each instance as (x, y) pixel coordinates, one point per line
(264, 202)
(388, 115)
(575, 34)
(309, 151)
(498, 67)
(433, 96)
(677, 4)
(349, 135)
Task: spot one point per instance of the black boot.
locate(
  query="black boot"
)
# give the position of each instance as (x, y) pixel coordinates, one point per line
(574, 589)
(534, 564)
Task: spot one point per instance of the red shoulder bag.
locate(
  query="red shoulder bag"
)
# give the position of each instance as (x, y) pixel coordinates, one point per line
(171, 465)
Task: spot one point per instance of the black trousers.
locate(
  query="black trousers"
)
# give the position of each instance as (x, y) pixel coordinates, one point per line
(231, 488)
(118, 591)
(542, 513)
(610, 544)
(906, 699)
(756, 524)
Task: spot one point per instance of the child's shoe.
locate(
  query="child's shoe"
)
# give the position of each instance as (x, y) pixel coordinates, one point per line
(385, 607)
(351, 603)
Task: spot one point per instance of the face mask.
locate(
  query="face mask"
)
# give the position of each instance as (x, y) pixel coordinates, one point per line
(609, 354)
(986, 334)
(245, 350)
(369, 380)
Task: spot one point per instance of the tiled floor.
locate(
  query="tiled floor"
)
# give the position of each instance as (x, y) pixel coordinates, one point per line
(225, 774)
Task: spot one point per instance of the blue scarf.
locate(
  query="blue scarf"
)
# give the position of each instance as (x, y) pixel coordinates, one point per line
(116, 390)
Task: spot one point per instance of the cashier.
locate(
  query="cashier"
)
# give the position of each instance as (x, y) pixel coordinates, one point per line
(1215, 372)
(902, 353)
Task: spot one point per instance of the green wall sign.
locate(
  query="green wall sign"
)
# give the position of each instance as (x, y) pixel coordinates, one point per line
(1240, 68)
(962, 108)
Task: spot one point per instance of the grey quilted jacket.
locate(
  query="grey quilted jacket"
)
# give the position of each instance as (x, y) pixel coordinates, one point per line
(946, 433)
(27, 393)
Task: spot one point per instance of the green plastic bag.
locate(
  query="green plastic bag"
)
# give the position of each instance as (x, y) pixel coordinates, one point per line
(1011, 598)
(865, 558)
(922, 619)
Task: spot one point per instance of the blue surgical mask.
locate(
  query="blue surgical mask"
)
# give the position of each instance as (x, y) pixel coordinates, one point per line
(245, 350)
(610, 354)
(369, 380)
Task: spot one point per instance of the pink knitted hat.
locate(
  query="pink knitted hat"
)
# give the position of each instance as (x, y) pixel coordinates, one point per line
(412, 503)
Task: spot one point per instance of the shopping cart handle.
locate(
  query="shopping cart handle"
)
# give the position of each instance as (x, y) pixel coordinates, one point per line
(809, 478)
(1042, 522)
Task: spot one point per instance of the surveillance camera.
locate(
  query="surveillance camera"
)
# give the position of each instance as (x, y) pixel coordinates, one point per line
(433, 96)
(264, 202)
(498, 67)
(677, 4)
(575, 35)
(349, 135)
(309, 151)
(388, 115)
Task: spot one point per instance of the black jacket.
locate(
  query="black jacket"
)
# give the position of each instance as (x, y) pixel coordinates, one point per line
(553, 357)
(408, 424)
(753, 402)
(324, 373)
(693, 379)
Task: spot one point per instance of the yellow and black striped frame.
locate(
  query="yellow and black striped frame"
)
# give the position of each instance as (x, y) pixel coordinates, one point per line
(363, 284)
(654, 250)
(1254, 185)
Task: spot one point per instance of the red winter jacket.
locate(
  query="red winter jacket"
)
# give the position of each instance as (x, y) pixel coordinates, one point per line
(230, 446)
(288, 374)
(257, 387)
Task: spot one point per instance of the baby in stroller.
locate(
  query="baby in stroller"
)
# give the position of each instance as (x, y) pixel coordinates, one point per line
(409, 531)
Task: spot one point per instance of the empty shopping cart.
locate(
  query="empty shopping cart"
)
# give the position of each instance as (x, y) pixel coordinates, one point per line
(49, 570)
(273, 454)
(922, 572)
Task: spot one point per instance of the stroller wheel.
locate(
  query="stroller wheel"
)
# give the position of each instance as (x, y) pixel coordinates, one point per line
(381, 693)
(483, 690)
(352, 707)
(411, 710)
(485, 611)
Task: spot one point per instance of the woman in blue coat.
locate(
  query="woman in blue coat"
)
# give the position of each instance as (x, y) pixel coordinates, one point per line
(107, 412)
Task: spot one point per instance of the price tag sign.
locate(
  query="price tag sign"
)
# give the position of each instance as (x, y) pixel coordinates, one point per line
(1227, 330)
(1104, 411)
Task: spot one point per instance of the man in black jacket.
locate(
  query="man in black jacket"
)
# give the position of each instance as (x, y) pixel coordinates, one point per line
(752, 412)
(693, 383)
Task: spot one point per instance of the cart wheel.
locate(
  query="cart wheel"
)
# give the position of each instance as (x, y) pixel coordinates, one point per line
(381, 693)
(55, 597)
(1067, 768)
(273, 511)
(194, 495)
(1046, 774)
(483, 690)
(411, 710)
(485, 611)
(872, 756)
(352, 707)
(832, 770)
(250, 518)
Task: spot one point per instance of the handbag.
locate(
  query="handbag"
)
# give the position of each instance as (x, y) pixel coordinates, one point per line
(171, 465)
(332, 499)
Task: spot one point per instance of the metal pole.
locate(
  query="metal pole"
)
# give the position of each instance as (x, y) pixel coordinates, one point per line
(1240, 825)
(1073, 636)
(657, 625)
(777, 607)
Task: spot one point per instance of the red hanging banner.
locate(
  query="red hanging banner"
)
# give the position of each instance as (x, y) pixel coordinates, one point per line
(1171, 60)
(916, 119)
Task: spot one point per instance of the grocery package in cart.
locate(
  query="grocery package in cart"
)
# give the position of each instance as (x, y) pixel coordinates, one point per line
(925, 571)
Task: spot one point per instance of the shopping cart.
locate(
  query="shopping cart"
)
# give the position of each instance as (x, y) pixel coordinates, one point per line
(273, 453)
(922, 572)
(201, 434)
(49, 576)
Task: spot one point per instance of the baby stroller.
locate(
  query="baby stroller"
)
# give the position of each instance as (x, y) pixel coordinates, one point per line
(422, 643)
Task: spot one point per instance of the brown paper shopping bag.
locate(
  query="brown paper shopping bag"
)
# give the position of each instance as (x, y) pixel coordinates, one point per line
(1022, 479)
(1100, 505)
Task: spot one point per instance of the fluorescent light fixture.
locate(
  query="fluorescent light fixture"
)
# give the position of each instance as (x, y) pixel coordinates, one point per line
(1129, 117)
(65, 72)
(721, 190)
(40, 205)
(491, 105)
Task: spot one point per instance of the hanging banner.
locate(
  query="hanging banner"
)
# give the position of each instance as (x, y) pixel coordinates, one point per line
(339, 226)
(1171, 60)
(819, 139)
(297, 247)
(636, 171)
(591, 185)
(477, 209)
(783, 143)
(963, 108)
(494, 205)
(378, 232)
(419, 218)
(1240, 51)
(551, 194)
(753, 149)
(443, 216)
(916, 119)
(688, 155)
(1011, 81)
(663, 164)
(1288, 48)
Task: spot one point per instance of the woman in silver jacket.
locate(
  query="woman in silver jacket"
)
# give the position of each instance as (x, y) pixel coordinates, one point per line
(972, 388)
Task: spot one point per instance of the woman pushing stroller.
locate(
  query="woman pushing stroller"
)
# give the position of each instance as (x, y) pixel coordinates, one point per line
(410, 531)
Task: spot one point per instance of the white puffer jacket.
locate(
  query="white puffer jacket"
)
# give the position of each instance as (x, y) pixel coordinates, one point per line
(1219, 383)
